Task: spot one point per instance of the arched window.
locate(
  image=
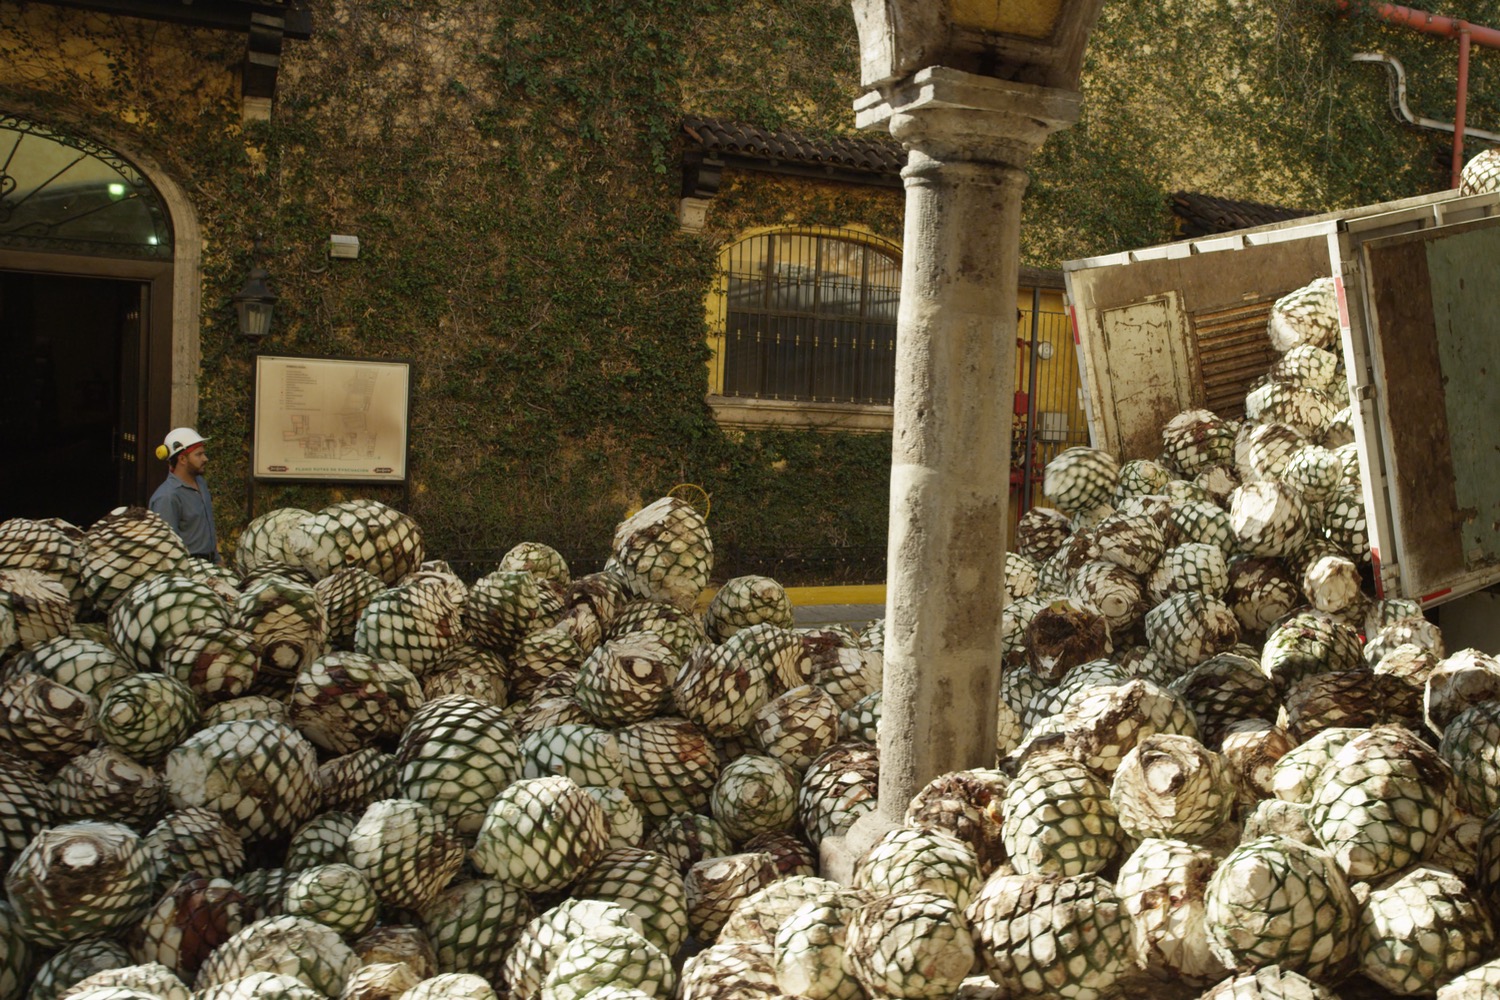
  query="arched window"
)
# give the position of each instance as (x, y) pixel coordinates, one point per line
(807, 315)
(65, 193)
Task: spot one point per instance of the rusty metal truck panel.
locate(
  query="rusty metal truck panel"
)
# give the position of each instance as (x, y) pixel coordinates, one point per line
(1434, 332)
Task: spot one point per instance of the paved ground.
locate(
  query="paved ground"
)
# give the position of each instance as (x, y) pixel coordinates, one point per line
(831, 614)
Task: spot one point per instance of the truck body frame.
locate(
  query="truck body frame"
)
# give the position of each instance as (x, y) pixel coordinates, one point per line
(1183, 326)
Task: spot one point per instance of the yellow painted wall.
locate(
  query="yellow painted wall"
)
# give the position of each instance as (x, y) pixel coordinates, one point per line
(1053, 393)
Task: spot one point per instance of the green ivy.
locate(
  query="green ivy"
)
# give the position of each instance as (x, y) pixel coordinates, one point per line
(511, 168)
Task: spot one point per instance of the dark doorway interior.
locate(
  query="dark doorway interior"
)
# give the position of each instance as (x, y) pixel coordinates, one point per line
(70, 351)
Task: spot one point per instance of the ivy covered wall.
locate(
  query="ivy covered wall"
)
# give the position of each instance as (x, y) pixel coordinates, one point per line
(1255, 101)
(511, 170)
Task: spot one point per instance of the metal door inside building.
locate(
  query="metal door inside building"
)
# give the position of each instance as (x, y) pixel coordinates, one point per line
(70, 394)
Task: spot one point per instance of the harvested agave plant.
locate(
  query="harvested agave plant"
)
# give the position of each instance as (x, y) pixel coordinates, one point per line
(664, 552)
(265, 541)
(1161, 887)
(51, 547)
(473, 923)
(540, 834)
(1269, 983)
(1421, 929)
(811, 949)
(754, 795)
(646, 884)
(1041, 532)
(1064, 634)
(189, 921)
(1382, 802)
(1081, 479)
(149, 980)
(260, 775)
(1172, 787)
(154, 612)
(1115, 592)
(147, 715)
(346, 701)
(608, 956)
(1274, 901)
(454, 756)
(75, 962)
(912, 944)
(106, 784)
(79, 879)
(410, 624)
(1064, 935)
(542, 940)
(406, 851)
(306, 950)
(1471, 747)
(1059, 818)
(286, 621)
(1269, 517)
(363, 533)
(1195, 440)
(626, 679)
(966, 805)
(1463, 679)
(337, 895)
(745, 601)
(796, 726)
(126, 546)
(216, 663)
(918, 860)
(44, 722)
(1309, 315)
(1481, 174)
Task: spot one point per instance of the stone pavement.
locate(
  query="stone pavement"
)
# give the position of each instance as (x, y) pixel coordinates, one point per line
(811, 615)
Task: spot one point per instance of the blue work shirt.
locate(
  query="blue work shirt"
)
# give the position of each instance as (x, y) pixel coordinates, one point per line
(190, 513)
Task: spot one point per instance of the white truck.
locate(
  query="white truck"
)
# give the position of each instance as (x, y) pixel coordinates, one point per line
(1183, 325)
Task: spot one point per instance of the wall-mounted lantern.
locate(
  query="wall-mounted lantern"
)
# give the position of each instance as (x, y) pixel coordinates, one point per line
(254, 305)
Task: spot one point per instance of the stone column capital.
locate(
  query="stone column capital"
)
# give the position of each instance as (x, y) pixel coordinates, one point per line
(950, 115)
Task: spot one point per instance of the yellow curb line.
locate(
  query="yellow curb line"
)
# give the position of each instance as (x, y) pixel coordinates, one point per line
(801, 597)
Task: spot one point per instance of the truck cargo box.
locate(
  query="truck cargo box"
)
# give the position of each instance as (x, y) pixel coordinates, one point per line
(1183, 325)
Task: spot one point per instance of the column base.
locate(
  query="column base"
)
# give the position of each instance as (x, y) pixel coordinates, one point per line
(837, 855)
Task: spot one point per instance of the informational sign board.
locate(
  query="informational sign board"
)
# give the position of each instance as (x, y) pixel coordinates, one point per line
(340, 419)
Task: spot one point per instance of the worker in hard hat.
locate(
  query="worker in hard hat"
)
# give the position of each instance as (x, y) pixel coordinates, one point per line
(183, 500)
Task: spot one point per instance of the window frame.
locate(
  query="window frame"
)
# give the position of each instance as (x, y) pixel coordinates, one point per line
(750, 412)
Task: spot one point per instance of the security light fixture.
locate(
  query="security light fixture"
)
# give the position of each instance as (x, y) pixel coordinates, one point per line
(343, 247)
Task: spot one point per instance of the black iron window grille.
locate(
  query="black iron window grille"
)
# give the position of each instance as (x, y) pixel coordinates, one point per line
(810, 316)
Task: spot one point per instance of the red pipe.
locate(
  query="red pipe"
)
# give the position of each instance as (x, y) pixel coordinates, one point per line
(1432, 24)
(1463, 107)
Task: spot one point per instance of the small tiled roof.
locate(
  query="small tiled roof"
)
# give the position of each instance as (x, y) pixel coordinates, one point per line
(866, 155)
(1205, 215)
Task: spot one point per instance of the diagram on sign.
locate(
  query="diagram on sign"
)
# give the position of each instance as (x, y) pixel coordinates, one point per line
(346, 432)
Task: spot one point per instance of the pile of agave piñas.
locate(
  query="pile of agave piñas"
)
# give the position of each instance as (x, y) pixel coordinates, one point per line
(339, 771)
(1228, 770)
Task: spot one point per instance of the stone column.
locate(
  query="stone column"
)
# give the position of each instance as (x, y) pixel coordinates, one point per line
(968, 138)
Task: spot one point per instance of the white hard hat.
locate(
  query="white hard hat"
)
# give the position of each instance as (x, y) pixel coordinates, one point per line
(179, 439)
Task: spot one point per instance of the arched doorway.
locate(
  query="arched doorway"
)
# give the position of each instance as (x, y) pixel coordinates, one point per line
(86, 316)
